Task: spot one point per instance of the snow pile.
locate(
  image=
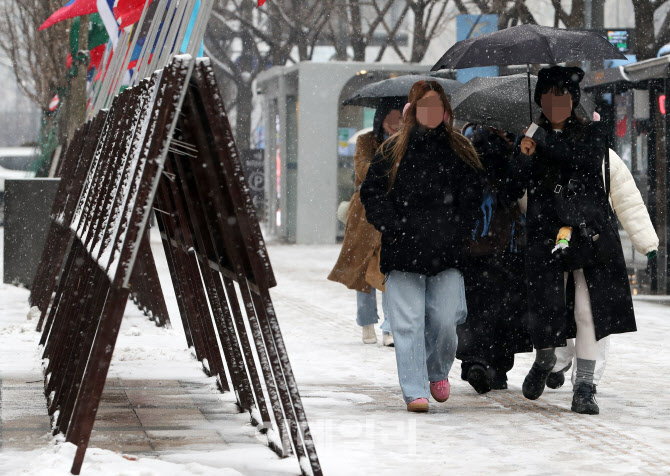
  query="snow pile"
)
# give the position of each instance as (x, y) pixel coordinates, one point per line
(56, 459)
(34, 313)
(18, 338)
(133, 331)
(23, 328)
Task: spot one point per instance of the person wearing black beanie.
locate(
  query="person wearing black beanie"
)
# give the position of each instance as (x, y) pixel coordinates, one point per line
(577, 282)
(559, 77)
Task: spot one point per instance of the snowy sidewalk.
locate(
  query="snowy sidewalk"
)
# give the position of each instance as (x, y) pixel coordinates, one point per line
(355, 407)
(160, 408)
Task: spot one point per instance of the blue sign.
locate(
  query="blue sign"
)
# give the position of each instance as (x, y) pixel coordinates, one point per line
(472, 26)
(616, 63)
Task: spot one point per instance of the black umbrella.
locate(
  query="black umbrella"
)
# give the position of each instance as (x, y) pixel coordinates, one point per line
(528, 44)
(372, 94)
(501, 102)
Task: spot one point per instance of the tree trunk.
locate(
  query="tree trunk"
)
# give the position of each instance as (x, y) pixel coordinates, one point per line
(338, 26)
(244, 81)
(357, 41)
(244, 102)
(244, 98)
(644, 29)
(419, 42)
(77, 98)
(276, 54)
(574, 20)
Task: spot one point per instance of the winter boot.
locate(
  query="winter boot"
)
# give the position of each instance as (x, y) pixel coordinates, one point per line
(419, 405)
(464, 371)
(440, 390)
(387, 340)
(479, 378)
(533, 385)
(584, 399)
(369, 334)
(499, 381)
(557, 379)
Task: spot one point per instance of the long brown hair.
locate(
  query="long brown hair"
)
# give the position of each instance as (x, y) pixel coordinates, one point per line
(394, 148)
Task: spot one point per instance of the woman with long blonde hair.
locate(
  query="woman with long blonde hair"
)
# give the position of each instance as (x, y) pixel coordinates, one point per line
(421, 192)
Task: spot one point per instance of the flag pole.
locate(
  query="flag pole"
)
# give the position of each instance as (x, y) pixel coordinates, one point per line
(150, 38)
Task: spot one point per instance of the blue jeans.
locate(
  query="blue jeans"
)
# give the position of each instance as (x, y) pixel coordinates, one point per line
(424, 312)
(366, 312)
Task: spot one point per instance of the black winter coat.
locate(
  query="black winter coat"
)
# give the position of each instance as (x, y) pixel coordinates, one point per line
(495, 283)
(505, 229)
(429, 212)
(495, 153)
(575, 153)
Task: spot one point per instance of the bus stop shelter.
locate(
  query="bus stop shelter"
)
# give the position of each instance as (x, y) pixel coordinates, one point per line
(308, 157)
(633, 102)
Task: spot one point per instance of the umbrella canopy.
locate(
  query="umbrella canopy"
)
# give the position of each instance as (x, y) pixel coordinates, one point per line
(502, 102)
(399, 87)
(528, 44)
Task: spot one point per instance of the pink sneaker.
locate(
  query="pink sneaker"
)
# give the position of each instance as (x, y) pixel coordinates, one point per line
(419, 405)
(440, 390)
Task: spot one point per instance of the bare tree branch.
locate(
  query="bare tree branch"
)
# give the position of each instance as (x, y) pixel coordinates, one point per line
(37, 57)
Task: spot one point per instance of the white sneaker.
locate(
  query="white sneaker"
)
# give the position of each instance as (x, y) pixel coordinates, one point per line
(388, 340)
(369, 334)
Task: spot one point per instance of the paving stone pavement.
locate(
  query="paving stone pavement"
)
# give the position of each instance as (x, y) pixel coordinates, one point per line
(135, 417)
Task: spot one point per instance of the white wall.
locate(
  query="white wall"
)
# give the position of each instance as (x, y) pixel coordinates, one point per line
(19, 117)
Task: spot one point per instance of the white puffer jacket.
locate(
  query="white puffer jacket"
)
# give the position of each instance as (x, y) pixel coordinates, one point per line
(628, 206)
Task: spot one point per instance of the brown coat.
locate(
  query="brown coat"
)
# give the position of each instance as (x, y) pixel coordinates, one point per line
(358, 264)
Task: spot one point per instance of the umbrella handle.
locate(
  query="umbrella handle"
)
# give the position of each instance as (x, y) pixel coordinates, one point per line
(530, 100)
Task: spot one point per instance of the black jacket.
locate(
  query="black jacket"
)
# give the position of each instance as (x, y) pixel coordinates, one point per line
(495, 154)
(495, 284)
(575, 153)
(430, 210)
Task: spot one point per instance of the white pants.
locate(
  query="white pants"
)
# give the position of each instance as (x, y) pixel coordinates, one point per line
(585, 346)
(565, 355)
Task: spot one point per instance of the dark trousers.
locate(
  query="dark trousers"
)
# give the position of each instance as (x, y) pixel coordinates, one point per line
(495, 329)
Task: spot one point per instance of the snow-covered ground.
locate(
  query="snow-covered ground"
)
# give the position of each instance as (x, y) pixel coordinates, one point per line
(354, 404)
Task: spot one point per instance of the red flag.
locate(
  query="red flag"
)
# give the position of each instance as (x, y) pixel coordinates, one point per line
(73, 8)
(133, 63)
(68, 61)
(129, 11)
(96, 56)
(261, 2)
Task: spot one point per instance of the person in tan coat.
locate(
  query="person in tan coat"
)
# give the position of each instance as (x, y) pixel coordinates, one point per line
(358, 264)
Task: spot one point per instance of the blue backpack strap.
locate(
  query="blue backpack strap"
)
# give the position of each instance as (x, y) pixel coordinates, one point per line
(487, 210)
